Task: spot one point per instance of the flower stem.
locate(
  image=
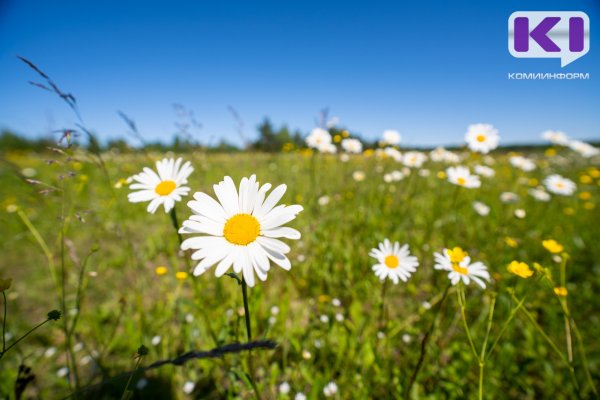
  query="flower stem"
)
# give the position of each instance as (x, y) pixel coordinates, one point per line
(424, 342)
(4, 351)
(382, 321)
(4, 324)
(175, 222)
(249, 335)
(461, 301)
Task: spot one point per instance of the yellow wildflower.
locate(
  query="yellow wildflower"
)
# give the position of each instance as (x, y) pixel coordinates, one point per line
(552, 246)
(520, 268)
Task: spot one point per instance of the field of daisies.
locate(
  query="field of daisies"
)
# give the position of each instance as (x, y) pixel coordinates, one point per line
(332, 271)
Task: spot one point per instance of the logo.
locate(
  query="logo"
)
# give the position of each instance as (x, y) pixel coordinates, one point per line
(549, 34)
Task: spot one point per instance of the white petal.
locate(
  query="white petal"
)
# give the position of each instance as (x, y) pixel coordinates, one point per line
(282, 231)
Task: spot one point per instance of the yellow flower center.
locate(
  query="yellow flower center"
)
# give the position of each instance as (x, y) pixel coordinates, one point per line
(456, 256)
(241, 229)
(560, 185)
(481, 138)
(459, 269)
(165, 188)
(391, 261)
(461, 181)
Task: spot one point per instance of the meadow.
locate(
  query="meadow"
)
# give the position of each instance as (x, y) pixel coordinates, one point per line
(73, 242)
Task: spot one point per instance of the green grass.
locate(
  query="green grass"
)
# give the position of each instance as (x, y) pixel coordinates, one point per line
(123, 303)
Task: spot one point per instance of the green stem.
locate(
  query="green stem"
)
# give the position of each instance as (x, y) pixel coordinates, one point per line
(125, 394)
(22, 337)
(382, 321)
(461, 301)
(175, 223)
(4, 324)
(424, 342)
(249, 335)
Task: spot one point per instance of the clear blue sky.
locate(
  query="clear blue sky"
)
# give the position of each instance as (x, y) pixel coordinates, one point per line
(425, 68)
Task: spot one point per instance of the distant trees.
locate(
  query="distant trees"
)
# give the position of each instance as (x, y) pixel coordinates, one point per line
(273, 140)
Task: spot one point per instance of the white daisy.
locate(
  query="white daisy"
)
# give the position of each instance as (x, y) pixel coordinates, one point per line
(484, 170)
(414, 159)
(458, 263)
(522, 163)
(461, 176)
(393, 153)
(391, 137)
(327, 148)
(394, 262)
(559, 185)
(482, 138)
(164, 188)
(352, 146)
(241, 229)
(539, 194)
(440, 154)
(556, 137)
(583, 148)
(481, 208)
(330, 389)
(318, 138)
(509, 197)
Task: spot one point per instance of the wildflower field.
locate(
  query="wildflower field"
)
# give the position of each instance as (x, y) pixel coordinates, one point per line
(388, 274)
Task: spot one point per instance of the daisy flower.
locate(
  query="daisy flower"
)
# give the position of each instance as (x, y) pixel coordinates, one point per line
(522, 163)
(539, 194)
(318, 138)
(352, 146)
(393, 153)
(440, 154)
(241, 229)
(509, 197)
(394, 262)
(585, 149)
(559, 185)
(166, 187)
(484, 170)
(556, 137)
(461, 176)
(482, 138)
(391, 137)
(481, 208)
(414, 159)
(458, 263)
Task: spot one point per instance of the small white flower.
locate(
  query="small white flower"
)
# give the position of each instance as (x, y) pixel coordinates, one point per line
(62, 372)
(324, 319)
(480, 208)
(393, 154)
(461, 176)
(339, 317)
(520, 213)
(391, 137)
(272, 320)
(50, 351)
(274, 310)
(336, 302)
(344, 157)
(539, 194)
(394, 262)
(508, 197)
(484, 170)
(585, 149)
(458, 264)
(482, 138)
(306, 354)
(414, 159)
(300, 396)
(559, 185)
(522, 163)
(380, 335)
(352, 146)
(358, 176)
(424, 173)
(284, 388)
(330, 389)
(318, 138)
(440, 154)
(556, 137)
(406, 338)
(28, 172)
(426, 305)
(156, 340)
(165, 187)
(318, 343)
(188, 387)
(189, 318)
(323, 200)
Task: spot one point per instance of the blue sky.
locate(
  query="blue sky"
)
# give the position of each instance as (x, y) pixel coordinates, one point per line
(427, 69)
